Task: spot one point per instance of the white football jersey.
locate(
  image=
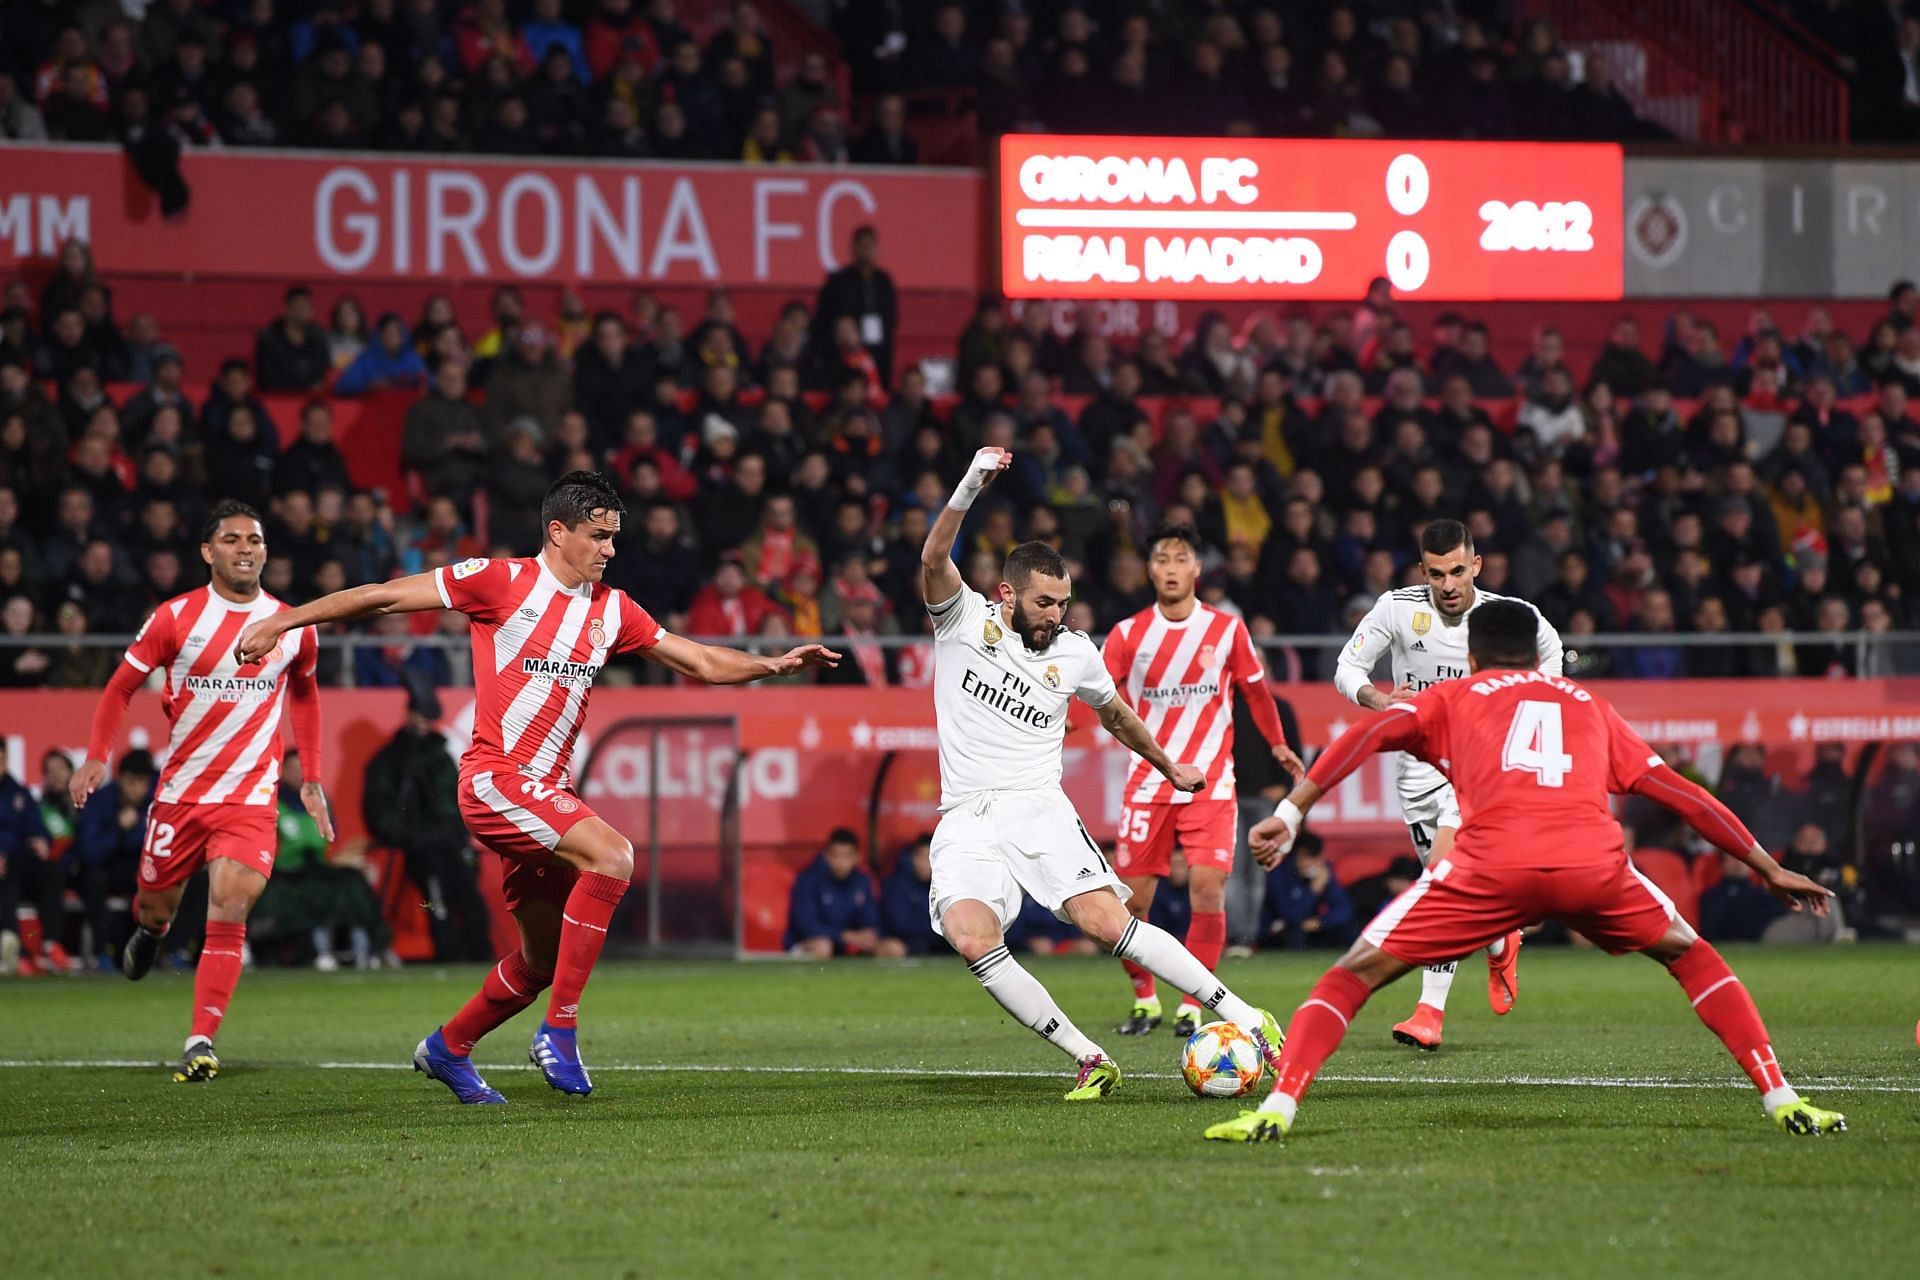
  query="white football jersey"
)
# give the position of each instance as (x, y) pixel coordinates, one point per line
(1000, 709)
(1427, 647)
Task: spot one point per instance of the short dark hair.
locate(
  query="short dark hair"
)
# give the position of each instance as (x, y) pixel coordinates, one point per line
(576, 495)
(1443, 535)
(1030, 558)
(843, 835)
(296, 291)
(1504, 633)
(1175, 533)
(137, 761)
(224, 510)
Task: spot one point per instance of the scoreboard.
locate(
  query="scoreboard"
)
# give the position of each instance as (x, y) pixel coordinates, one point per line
(1276, 218)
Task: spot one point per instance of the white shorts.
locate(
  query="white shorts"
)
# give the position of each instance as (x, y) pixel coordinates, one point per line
(999, 847)
(1427, 804)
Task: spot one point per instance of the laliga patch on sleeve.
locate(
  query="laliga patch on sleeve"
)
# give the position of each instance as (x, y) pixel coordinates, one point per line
(467, 568)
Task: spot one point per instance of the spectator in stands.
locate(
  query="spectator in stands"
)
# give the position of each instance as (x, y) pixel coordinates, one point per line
(108, 834)
(729, 605)
(903, 901)
(834, 909)
(390, 362)
(20, 120)
(313, 895)
(886, 140)
(864, 291)
(1376, 891)
(443, 440)
(292, 353)
(313, 462)
(28, 874)
(410, 805)
(529, 379)
(1306, 905)
(241, 453)
(1736, 908)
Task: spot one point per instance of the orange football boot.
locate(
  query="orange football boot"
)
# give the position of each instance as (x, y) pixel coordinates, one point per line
(1503, 976)
(1422, 1030)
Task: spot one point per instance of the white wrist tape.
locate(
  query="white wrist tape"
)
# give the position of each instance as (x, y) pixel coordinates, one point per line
(1289, 813)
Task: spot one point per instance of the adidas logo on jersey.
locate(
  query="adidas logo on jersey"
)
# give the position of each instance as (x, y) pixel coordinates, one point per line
(1086, 873)
(1417, 647)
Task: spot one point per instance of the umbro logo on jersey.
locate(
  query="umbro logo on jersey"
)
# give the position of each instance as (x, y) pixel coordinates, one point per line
(530, 614)
(1417, 647)
(191, 642)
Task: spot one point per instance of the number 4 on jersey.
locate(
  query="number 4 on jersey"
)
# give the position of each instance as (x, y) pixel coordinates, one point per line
(1534, 744)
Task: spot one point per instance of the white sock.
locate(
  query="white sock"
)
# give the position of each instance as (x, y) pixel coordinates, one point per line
(1021, 995)
(1778, 1097)
(1160, 953)
(1497, 948)
(1435, 981)
(1285, 1105)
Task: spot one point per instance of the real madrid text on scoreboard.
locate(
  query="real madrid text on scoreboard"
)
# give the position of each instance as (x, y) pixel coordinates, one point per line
(1099, 217)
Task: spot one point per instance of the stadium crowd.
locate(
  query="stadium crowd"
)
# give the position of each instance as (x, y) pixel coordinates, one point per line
(781, 483)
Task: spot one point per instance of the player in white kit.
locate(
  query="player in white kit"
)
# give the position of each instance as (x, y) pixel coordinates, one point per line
(1004, 673)
(1425, 628)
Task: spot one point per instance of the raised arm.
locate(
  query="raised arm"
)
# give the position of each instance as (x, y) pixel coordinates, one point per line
(1125, 724)
(713, 664)
(1706, 814)
(411, 594)
(937, 571)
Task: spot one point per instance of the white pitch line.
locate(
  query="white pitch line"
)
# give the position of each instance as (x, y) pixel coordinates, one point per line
(1871, 1084)
(1187, 220)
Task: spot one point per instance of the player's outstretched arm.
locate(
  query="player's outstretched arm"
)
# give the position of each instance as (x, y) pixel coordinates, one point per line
(1125, 724)
(713, 664)
(411, 594)
(937, 571)
(107, 715)
(1272, 837)
(1706, 814)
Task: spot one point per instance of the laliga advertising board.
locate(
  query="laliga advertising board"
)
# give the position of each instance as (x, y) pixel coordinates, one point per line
(1253, 218)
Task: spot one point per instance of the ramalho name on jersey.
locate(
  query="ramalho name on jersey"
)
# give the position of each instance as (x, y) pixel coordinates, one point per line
(537, 646)
(1000, 708)
(223, 740)
(1534, 759)
(1179, 678)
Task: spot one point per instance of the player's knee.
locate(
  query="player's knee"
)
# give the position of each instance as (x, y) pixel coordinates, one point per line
(1106, 922)
(614, 858)
(1207, 896)
(973, 941)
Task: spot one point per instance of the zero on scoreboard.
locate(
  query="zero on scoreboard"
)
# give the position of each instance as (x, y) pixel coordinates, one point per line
(1101, 217)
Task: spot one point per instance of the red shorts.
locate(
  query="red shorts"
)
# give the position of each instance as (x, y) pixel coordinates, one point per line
(1205, 830)
(523, 821)
(1457, 907)
(182, 838)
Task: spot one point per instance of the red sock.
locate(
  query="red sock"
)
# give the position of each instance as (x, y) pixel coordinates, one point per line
(1207, 937)
(511, 986)
(217, 974)
(583, 931)
(1723, 1004)
(1317, 1028)
(1142, 980)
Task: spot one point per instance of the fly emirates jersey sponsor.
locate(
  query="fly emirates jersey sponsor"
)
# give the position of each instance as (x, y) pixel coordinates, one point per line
(223, 743)
(1426, 648)
(1180, 677)
(537, 646)
(1533, 758)
(1000, 709)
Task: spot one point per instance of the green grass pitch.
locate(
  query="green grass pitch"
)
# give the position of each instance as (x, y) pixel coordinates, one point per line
(847, 1120)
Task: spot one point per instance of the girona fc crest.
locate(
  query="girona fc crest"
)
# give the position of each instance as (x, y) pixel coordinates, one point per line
(565, 804)
(1206, 655)
(597, 635)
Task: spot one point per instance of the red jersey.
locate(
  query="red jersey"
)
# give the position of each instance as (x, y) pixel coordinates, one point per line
(1533, 759)
(224, 743)
(1179, 678)
(537, 646)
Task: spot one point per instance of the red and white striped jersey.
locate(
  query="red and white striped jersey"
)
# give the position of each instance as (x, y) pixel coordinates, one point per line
(224, 744)
(537, 646)
(1179, 677)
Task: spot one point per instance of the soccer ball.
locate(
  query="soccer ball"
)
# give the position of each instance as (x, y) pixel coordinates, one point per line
(1221, 1061)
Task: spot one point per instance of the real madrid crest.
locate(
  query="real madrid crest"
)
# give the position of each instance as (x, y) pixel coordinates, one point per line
(1052, 676)
(1422, 622)
(990, 633)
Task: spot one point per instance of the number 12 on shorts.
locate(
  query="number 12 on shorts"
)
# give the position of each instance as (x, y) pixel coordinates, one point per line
(1535, 746)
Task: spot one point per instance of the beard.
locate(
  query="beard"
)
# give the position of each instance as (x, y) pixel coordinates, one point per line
(1037, 636)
